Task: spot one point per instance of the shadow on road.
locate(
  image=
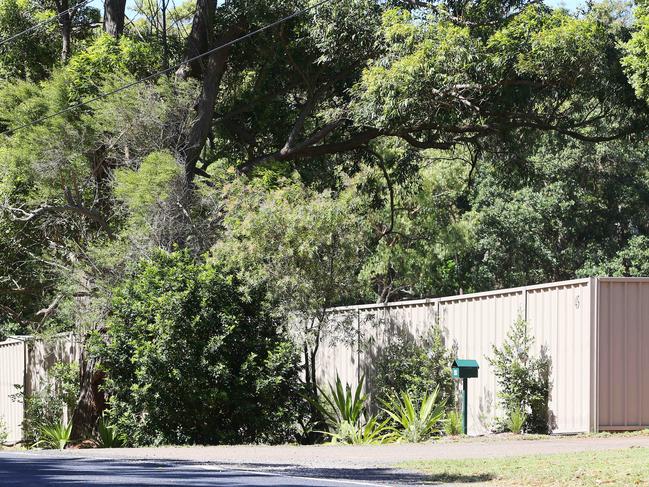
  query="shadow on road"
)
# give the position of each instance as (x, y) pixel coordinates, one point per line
(36, 470)
(389, 476)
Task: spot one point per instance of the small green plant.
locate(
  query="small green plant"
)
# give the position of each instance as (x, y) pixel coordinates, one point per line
(523, 379)
(453, 424)
(108, 436)
(370, 433)
(3, 431)
(413, 421)
(56, 435)
(516, 421)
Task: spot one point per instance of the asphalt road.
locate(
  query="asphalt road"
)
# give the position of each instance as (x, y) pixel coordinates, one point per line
(32, 470)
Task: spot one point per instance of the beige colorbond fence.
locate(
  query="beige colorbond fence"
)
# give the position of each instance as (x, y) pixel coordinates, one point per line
(25, 361)
(12, 371)
(594, 386)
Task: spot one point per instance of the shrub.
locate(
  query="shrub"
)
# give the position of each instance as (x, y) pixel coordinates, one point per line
(370, 432)
(453, 424)
(339, 405)
(417, 368)
(414, 421)
(524, 380)
(190, 360)
(345, 414)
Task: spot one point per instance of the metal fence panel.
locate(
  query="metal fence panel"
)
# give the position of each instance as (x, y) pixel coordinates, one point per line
(623, 337)
(12, 373)
(560, 318)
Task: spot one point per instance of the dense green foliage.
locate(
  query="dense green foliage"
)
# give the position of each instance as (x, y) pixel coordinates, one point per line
(416, 367)
(190, 361)
(363, 151)
(108, 436)
(523, 381)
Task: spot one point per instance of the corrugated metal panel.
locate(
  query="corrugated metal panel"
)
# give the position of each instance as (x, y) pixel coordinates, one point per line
(560, 318)
(42, 355)
(26, 361)
(12, 373)
(623, 336)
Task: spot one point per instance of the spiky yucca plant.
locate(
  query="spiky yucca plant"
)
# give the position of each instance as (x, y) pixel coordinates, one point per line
(453, 424)
(55, 435)
(412, 422)
(516, 421)
(108, 436)
(344, 412)
(339, 405)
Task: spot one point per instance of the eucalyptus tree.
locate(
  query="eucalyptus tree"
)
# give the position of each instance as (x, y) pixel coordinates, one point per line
(434, 75)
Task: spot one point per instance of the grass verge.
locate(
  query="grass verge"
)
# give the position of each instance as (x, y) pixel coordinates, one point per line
(614, 467)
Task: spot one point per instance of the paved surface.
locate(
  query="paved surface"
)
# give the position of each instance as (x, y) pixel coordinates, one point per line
(290, 466)
(38, 470)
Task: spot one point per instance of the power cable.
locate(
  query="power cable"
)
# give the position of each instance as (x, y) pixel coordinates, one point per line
(43, 22)
(167, 70)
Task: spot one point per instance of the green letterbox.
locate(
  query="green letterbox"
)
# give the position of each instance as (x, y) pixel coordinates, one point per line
(464, 369)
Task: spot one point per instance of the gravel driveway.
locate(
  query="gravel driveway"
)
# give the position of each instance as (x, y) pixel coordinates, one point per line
(378, 456)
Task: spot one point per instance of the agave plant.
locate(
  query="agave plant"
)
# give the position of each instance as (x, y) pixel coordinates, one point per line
(107, 435)
(412, 422)
(56, 435)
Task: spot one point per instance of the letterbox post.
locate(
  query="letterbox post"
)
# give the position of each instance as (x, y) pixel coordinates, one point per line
(465, 369)
(465, 404)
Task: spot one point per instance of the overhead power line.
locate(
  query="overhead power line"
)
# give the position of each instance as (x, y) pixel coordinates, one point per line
(43, 22)
(169, 69)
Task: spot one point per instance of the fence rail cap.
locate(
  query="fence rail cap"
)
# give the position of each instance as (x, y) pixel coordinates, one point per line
(495, 292)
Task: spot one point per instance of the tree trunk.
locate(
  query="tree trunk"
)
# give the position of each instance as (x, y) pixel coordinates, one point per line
(211, 68)
(165, 44)
(65, 23)
(213, 72)
(200, 39)
(114, 15)
(66, 36)
(91, 402)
